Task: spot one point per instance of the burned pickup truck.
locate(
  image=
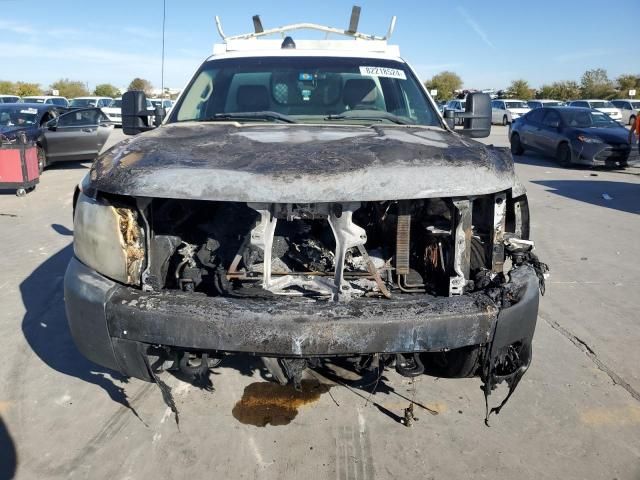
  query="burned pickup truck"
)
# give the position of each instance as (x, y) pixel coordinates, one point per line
(305, 200)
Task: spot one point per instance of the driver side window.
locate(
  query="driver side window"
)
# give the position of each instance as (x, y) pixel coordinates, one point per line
(81, 118)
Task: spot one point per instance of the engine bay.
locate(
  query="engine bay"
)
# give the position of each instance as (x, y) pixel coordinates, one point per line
(335, 251)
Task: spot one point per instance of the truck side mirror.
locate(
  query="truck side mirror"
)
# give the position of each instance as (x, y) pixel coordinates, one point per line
(477, 117)
(135, 116)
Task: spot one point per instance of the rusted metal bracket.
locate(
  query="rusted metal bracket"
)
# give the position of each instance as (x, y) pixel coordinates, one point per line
(497, 242)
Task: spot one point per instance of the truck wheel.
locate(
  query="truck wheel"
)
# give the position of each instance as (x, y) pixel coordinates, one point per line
(458, 363)
(505, 121)
(516, 145)
(564, 155)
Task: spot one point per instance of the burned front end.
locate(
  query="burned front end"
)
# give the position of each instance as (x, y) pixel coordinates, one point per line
(444, 286)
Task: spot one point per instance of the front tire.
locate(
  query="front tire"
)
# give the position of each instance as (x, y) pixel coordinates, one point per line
(458, 363)
(505, 121)
(516, 145)
(42, 159)
(564, 155)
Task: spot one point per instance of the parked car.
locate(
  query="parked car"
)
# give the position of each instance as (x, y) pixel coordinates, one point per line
(86, 102)
(505, 111)
(603, 106)
(114, 111)
(159, 102)
(629, 109)
(309, 207)
(47, 100)
(572, 135)
(59, 135)
(9, 99)
(545, 103)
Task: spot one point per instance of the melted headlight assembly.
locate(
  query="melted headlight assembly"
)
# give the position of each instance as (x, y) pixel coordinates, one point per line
(109, 239)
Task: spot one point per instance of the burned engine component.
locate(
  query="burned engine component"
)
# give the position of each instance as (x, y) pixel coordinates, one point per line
(332, 251)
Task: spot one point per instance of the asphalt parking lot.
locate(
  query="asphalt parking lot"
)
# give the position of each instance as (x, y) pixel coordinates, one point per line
(576, 414)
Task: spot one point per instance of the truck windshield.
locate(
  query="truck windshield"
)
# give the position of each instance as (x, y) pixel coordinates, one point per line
(306, 90)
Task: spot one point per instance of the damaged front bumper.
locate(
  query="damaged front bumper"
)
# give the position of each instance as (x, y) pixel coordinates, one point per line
(600, 154)
(115, 326)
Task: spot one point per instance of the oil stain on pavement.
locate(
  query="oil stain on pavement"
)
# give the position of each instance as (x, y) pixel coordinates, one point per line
(265, 403)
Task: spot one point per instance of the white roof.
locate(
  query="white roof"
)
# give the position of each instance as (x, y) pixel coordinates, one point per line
(325, 48)
(89, 98)
(44, 96)
(262, 49)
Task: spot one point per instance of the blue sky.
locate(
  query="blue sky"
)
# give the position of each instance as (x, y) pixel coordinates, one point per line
(488, 46)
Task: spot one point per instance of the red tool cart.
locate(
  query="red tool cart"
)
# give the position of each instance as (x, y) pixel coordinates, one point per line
(19, 166)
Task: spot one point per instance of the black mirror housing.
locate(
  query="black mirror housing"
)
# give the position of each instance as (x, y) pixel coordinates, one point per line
(477, 118)
(450, 118)
(159, 114)
(135, 116)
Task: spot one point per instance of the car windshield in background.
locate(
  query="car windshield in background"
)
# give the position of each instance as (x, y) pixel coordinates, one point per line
(553, 104)
(516, 105)
(17, 116)
(306, 89)
(116, 104)
(83, 102)
(588, 119)
(635, 104)
(32, 100)
(602, 105)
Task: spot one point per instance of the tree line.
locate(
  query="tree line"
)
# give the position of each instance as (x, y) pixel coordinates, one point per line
(72, 88)
(594, 83)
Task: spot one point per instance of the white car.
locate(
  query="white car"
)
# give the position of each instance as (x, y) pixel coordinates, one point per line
(629, 109)
(504, 111)
(9, 99)
(47, 100)
(114, 111)
(87, 102)
(159, 102)
(604, 106)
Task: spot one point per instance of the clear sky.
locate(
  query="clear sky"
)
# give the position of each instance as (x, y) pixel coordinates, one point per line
(487, 43)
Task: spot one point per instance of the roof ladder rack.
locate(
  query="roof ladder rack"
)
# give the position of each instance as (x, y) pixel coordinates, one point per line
(352, 30)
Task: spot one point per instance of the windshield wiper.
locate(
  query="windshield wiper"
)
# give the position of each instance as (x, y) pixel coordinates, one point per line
(378, 116)
(265, 115)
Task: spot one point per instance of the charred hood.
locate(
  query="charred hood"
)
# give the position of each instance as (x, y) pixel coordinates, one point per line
(300, 163)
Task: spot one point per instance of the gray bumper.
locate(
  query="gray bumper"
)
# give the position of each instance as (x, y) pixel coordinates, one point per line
(113, 325)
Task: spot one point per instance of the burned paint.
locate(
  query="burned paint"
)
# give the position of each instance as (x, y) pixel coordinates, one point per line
(337, 163)
(266, 403)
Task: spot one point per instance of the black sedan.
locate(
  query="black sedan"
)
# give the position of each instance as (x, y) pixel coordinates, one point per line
(571, 135)
(59, 135)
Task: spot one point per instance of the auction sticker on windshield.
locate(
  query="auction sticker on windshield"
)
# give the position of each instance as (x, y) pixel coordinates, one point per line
(383, 72)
